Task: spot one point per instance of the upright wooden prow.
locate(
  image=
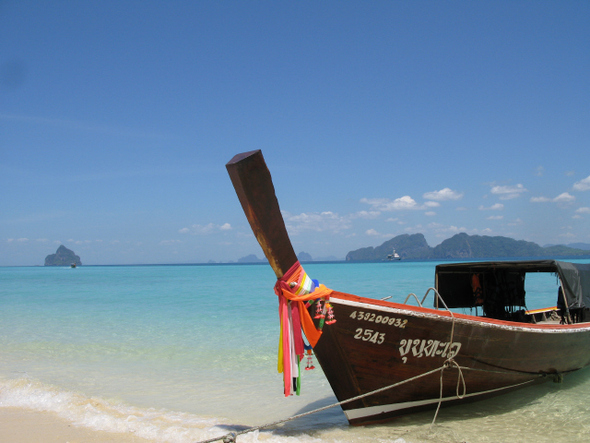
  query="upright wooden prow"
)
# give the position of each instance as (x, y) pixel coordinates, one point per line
(253, 184)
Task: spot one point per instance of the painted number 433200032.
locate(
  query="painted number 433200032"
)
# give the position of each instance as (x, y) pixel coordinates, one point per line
(379, 319)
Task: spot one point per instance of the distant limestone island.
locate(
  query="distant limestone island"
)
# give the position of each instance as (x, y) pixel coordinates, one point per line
(458, 247)
(463, 246)
(63, 257)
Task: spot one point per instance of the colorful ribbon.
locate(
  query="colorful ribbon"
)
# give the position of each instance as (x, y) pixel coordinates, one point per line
(293, 290)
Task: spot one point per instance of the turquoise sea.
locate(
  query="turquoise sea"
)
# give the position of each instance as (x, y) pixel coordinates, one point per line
(188, 353)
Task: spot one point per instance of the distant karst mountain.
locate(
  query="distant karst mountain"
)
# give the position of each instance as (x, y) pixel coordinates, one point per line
(251, 259)
(63, 257)
(460, 246)
(304, 256)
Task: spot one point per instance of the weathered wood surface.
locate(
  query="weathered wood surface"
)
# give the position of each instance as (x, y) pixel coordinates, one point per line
(253, 184)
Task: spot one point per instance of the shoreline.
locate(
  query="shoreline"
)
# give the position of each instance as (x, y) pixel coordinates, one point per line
(19, 425)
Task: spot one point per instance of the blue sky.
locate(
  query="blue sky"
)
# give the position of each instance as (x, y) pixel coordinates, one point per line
(375, 118)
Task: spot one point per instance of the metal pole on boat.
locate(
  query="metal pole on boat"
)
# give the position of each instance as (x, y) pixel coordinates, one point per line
(567, 308)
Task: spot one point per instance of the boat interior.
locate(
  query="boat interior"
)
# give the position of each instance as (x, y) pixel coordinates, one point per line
(497, 290)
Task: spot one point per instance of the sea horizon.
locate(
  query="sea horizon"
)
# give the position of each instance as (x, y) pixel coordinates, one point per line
(307, 262)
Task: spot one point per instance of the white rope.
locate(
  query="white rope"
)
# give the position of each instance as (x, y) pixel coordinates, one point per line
(231, 437)
(448, 363)
(460, 380)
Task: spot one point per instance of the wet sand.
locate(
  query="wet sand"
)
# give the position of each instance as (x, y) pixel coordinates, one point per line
(24, 426)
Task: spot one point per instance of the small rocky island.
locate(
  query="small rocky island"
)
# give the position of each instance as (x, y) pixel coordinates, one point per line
(63, 257)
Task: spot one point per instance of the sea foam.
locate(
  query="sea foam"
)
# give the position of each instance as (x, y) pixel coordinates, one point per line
(103, 415)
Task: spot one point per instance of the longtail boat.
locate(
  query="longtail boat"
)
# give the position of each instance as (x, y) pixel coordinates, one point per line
(384, 359)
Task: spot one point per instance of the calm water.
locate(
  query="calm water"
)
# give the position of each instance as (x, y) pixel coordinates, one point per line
(185, 353)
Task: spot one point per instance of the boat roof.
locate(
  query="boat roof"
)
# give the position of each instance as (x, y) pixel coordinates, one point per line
(574, 277)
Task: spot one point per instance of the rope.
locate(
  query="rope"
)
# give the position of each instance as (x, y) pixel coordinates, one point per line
(231, 437)
(446, 364)
(460, 380)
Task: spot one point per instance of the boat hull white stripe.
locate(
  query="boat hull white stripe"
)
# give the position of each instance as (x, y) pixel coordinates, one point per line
(371, 411)
(335, 300)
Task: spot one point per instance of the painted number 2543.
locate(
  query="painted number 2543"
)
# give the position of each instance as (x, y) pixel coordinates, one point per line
(369, 335)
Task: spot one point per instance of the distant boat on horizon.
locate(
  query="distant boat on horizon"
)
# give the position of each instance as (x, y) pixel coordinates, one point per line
(393, 256)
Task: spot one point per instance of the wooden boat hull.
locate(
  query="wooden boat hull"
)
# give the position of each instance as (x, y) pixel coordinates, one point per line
(401, 358)
(375, 344)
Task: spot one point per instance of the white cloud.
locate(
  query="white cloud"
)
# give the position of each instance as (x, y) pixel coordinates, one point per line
(540, 199)
(495, 217)
(564, 198)
(376, 203)
(169, 242)
(206, 229)
(496, 207)
(443, 195)
(82, 242)
(509, 192)
(561, 198)
(540, 171)
(399, 204)
(404, 203)
(582, 185)
(314, 221)
(444, 230)
(375, 233)
(583, 210)
(430, 213)
(366, 214)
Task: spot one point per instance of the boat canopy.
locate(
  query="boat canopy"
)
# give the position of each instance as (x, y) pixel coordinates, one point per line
(496, 285)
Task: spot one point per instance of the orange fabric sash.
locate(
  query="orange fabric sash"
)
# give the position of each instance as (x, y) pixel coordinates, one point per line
(293, 290)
